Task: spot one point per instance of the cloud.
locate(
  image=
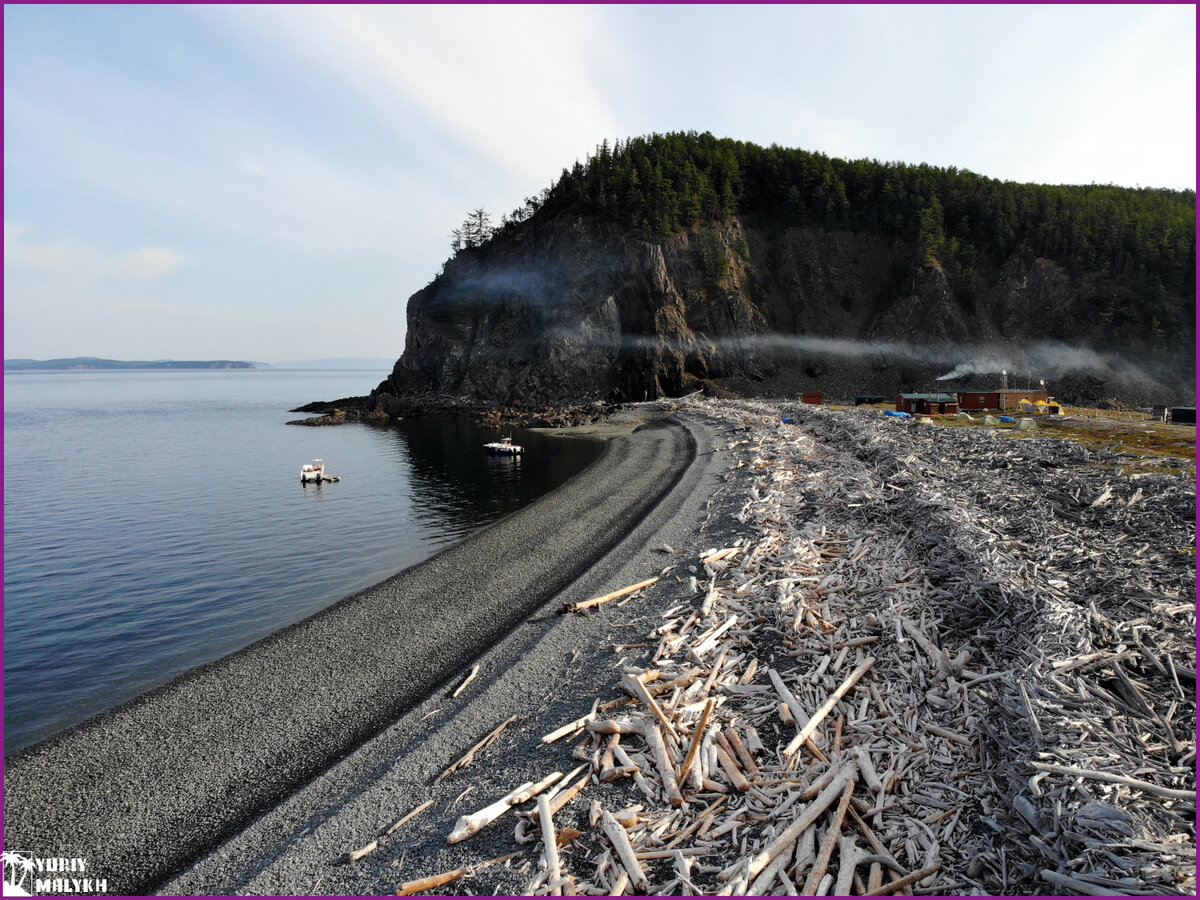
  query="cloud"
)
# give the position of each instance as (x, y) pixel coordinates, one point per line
(522, 89)
(79, 262)
(21, 255)
(146, 264)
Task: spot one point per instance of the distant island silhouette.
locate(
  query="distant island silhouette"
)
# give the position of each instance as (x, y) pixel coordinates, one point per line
(91, 362)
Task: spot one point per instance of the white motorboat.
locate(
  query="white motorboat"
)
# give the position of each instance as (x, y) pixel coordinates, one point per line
(313, 471)
(504, 447)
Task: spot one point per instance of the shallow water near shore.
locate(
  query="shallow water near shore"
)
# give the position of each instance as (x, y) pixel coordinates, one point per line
(154, 521)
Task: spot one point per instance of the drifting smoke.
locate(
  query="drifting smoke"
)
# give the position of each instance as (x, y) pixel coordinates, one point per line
(889, 351)
(983, 364)
(1051, 359)
(1048, 359)
(1074, 370)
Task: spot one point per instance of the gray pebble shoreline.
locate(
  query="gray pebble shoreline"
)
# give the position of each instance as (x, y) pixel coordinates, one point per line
(255, 774)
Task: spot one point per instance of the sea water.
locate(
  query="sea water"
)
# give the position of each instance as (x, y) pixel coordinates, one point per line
(155, 520)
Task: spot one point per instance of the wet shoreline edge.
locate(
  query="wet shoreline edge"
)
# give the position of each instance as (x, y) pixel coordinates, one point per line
(148, 786)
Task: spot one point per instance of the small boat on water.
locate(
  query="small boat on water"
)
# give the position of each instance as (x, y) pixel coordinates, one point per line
(504, 447)
(315, 471)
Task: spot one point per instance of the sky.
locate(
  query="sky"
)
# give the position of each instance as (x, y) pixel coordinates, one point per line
(273, 182)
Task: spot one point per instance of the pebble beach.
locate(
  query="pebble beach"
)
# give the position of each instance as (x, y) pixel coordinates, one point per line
(875, 656)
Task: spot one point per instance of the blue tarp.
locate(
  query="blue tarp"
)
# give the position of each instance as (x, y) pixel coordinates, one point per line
(1007, 419)
(896, 415)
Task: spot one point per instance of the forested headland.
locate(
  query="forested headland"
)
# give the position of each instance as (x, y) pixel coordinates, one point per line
(668, 261)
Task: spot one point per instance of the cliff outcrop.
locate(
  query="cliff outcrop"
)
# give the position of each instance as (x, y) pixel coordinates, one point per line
(577, 310)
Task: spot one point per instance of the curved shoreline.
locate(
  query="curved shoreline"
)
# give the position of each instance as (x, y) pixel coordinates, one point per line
(146, 788)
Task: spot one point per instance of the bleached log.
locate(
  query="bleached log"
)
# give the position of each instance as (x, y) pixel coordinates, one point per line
(549, 840)
(616, 773)
(420, 809)
(738, 884)
(714, 672)
(628, 817)
(668, 854)
(355, 855)
(697, 736)
(683, 869)
(820, 867)
(946, 733)
(570, 727)
(470, 677)
(620, 841)
(828, 705)
(1079, 885)
(665, 767)
(793, 706)
(623, 725)
(470, 754)
(847, 860)
(426, 884)
(812, 812)
(867, 769)
(923, 641)
(637, 689)
(736, 778)
(912, 878)
(1092, 774)
(566, 794)
(471, 824)
(638, 778)
(739, 748)
(661, 687)
(605, 598)
(762, 884)
(719, 555)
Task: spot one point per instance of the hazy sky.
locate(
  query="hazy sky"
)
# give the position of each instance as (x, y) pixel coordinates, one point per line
(273, 182)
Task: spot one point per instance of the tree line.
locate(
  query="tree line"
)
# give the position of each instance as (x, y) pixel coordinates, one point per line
(660, 184)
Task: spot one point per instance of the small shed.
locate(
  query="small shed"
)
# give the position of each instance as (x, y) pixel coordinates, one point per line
(1183, 415)
(814, 398)
(974, 401)
(865, 399)
(928, 404)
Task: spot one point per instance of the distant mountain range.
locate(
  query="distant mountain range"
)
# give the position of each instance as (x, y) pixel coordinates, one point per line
(92, 362)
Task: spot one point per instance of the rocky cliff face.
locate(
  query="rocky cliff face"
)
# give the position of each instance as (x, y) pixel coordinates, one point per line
(576, 310)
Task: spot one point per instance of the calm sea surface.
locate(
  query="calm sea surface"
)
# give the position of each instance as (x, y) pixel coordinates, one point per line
(154, 521)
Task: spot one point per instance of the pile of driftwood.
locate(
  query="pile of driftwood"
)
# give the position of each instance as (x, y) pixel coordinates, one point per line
(944, 661)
